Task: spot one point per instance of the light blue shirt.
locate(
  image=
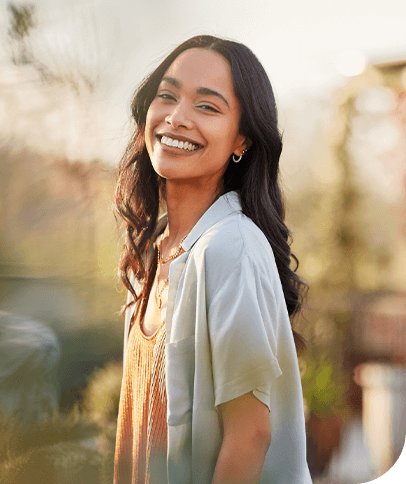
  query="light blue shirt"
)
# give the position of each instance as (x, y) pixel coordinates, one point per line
(229, 333)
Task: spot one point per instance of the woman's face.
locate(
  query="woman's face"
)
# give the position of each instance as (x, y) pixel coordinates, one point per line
(192, 124)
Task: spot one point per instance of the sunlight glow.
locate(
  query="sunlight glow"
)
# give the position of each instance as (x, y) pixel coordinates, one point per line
(350, 62)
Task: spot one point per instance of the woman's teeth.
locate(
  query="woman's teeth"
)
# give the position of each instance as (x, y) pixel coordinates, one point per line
(184, 145)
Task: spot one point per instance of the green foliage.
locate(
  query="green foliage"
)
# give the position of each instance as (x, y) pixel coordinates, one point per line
(74, 448)
(58, 217)
(63, 463)
(324, 388)
(324, 393)
(17, 437)
(324, 378)
(341, 258)
(61, 450)
(102, 394)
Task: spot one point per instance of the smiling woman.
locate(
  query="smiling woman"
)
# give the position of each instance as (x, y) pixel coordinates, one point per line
(196, 104)
(211, 388)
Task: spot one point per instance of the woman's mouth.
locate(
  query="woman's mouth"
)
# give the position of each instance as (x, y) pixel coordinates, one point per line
(175, 143)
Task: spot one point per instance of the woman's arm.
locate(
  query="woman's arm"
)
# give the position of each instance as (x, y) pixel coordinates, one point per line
(246, 439)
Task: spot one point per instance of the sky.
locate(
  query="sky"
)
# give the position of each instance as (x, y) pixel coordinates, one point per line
(297, 41)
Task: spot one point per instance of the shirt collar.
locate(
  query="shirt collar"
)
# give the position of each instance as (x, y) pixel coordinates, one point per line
(223, 206)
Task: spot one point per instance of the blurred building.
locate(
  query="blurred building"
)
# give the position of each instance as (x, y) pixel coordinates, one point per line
(371, 147)
(375, 102)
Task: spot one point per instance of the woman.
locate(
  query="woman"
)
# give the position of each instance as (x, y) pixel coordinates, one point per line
(211, 379)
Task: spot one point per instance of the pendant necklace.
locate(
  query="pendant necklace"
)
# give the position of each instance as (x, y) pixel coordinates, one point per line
(159, 291)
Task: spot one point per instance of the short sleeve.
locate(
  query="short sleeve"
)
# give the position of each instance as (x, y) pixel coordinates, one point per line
(243, 326)
(263, 395)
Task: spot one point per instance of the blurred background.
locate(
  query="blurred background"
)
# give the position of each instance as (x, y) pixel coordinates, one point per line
(67, 72)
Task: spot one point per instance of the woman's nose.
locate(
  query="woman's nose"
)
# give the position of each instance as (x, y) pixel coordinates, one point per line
(180, 117)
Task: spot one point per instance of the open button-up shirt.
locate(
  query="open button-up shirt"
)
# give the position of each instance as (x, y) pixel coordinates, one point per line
(229, 333)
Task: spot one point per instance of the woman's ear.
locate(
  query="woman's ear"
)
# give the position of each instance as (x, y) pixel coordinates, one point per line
(248, 143)
(243, 144)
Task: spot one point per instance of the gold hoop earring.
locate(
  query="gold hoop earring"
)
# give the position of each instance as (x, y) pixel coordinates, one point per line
(237, 159)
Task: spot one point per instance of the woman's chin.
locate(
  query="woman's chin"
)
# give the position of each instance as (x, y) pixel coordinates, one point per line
(170, 170)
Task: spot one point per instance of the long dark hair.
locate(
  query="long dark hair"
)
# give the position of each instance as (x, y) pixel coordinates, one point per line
(255, 179)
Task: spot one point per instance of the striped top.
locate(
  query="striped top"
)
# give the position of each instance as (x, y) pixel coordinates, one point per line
(140, 455)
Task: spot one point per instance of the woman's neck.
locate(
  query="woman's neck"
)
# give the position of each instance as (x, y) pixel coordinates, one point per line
(186, 204)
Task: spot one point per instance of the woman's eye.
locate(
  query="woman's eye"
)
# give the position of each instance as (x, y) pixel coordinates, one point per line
(207, 107)
(165, 95)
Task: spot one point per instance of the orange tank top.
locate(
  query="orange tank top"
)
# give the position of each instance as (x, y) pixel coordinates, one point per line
(141, 441)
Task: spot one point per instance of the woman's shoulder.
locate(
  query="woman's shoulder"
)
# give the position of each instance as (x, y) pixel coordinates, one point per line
(233, 239)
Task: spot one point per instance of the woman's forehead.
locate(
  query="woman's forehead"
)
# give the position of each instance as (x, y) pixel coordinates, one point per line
(198, 67)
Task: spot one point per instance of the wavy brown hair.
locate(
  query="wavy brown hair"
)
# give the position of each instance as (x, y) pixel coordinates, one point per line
(256, 180)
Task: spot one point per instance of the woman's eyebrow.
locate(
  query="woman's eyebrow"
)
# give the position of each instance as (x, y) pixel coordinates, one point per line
(210, 92)
(173, 81)
(200, 90)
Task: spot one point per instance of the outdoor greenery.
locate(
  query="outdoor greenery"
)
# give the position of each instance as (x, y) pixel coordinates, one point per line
(59, 231)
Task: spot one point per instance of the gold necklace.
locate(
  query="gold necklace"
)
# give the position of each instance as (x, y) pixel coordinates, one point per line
(159, 292)
(174, 255)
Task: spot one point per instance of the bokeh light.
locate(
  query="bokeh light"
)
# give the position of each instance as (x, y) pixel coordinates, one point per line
(350, 62)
